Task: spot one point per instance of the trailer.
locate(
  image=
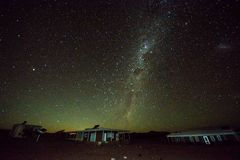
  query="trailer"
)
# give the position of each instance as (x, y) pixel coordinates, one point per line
(24, 130)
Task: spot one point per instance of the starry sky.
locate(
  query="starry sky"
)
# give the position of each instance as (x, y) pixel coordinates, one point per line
(160, 65)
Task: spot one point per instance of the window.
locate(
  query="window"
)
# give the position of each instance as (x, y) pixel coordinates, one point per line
(197, 139)
(206, 140)
(219, 138)
(212, 139)
(191, 139)
(85, 135)
(178, 139)
(109, 136)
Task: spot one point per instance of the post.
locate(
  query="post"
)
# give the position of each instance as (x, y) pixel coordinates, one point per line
(111, 135)
(88, 137)
(37, 137)
(95, 136)
(103, 136)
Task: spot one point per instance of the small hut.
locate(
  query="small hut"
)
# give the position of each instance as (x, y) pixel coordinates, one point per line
(99, 135)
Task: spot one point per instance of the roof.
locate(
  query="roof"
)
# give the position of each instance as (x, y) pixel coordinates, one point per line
(100, 129)
(27, 125)
(105, 129)
(202, 133)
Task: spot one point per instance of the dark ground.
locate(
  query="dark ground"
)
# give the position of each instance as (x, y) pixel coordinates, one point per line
(52, 148)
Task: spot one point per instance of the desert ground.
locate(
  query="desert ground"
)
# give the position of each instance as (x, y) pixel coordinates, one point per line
(59, 149)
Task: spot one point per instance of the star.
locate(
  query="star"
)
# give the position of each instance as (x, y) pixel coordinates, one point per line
(138, 66)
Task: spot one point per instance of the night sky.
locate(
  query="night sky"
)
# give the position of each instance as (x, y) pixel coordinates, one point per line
(141, 65)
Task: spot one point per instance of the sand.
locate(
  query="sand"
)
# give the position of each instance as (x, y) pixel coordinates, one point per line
(57, 149)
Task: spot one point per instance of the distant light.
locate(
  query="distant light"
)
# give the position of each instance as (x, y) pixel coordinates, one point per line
(145, 46)
(33, 69)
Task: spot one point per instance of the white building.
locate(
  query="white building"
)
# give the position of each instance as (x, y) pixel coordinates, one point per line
(205, 136)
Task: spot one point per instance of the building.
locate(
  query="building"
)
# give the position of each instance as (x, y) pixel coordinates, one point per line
(24, 130)
(99, 135)
(205, 137)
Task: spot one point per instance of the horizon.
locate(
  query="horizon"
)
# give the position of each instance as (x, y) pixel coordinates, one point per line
(136, 131)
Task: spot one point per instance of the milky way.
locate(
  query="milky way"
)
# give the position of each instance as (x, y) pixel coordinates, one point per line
(135, 82)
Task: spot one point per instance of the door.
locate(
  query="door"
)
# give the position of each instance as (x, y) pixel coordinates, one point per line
(117, 137)
(85, 136)
(93, 137)
(206, 140)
